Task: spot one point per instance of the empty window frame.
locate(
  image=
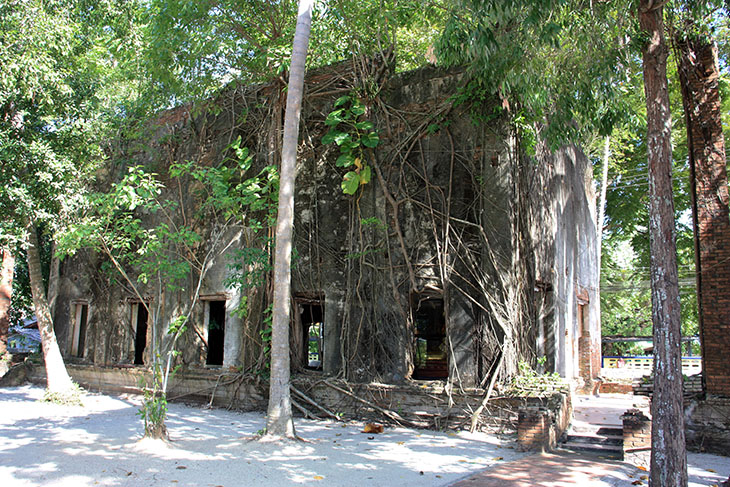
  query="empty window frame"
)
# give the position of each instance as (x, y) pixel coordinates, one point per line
(140, 318)
(80, 314)
(430, 357)
(312, 317)
(215, 331)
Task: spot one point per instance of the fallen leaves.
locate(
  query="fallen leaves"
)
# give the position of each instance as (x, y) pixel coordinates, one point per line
(373, 428)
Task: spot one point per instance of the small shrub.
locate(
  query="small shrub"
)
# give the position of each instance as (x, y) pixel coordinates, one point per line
(530, 383)
(71, 398)
(154, 405)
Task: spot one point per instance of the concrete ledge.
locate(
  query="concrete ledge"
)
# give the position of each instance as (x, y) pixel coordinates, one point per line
(425, 404)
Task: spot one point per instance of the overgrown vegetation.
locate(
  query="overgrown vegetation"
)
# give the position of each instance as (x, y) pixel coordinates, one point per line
(530, 383)
(72, 397)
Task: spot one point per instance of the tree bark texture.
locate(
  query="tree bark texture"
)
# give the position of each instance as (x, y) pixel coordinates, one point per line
(668, 453)
(58, 379)
(279, 416)
(6, 294)
(699, 79)
(53, 276)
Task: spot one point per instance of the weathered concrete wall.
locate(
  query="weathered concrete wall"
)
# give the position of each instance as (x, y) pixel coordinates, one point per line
(564, 236)
(453, 212)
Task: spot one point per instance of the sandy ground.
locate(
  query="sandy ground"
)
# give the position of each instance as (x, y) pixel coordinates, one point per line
(99, 444)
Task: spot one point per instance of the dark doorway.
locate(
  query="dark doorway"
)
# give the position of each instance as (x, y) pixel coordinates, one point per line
(216, 332)
(78, 340)
(313, 327)
(140, 336)
(430, 357)
(81, 339)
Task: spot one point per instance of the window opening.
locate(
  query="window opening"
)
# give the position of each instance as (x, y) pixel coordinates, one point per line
(78, 341)
(431, 359)
(216, 332)
(312, 316)
(140, 334)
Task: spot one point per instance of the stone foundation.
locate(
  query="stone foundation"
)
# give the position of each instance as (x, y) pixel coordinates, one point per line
(637, 438)
(707, 424)
(424, 404)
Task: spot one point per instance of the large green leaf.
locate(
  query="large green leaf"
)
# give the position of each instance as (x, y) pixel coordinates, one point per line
(350, 182)
(370, 139)
(365, 174)
(345, 160)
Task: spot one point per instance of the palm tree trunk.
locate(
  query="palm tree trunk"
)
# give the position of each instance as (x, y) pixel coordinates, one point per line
(279, 416)
(58, 380)
(668, 453)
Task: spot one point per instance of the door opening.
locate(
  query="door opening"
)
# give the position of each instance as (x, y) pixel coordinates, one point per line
(140, 334)
(78, 342)
(216, 332)
(430, 357)
(312, 316)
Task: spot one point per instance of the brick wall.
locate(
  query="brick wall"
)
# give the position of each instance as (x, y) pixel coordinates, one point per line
(712, 221)
(539, 426)
(637, 438)
(534, 429)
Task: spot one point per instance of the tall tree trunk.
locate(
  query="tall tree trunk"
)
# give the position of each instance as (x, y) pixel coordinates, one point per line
(279, 417)
(668, 454)
(6, 293)
(53, 276)
(58, 380)
(699, 78)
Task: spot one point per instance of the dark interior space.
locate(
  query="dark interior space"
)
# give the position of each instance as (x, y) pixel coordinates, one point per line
(312, 324)
(430, 348)
(216, 332)
(82, 330)
(140, 338)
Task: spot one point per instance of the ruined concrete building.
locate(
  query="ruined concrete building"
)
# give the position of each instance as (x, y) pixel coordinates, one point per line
(462, 256)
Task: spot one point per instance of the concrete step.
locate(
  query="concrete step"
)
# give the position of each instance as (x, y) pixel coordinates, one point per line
(596, 439)
(608, 451)
(596, 429)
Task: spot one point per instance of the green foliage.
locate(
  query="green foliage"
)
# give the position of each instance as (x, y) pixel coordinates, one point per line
(74, 397)
(354, 136)
(190, 50)
(521, 53)
(530, 383)
(265, 335)
(625, 295)
(153, 411)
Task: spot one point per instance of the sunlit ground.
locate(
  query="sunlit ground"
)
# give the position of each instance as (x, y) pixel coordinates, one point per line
(98, 444)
